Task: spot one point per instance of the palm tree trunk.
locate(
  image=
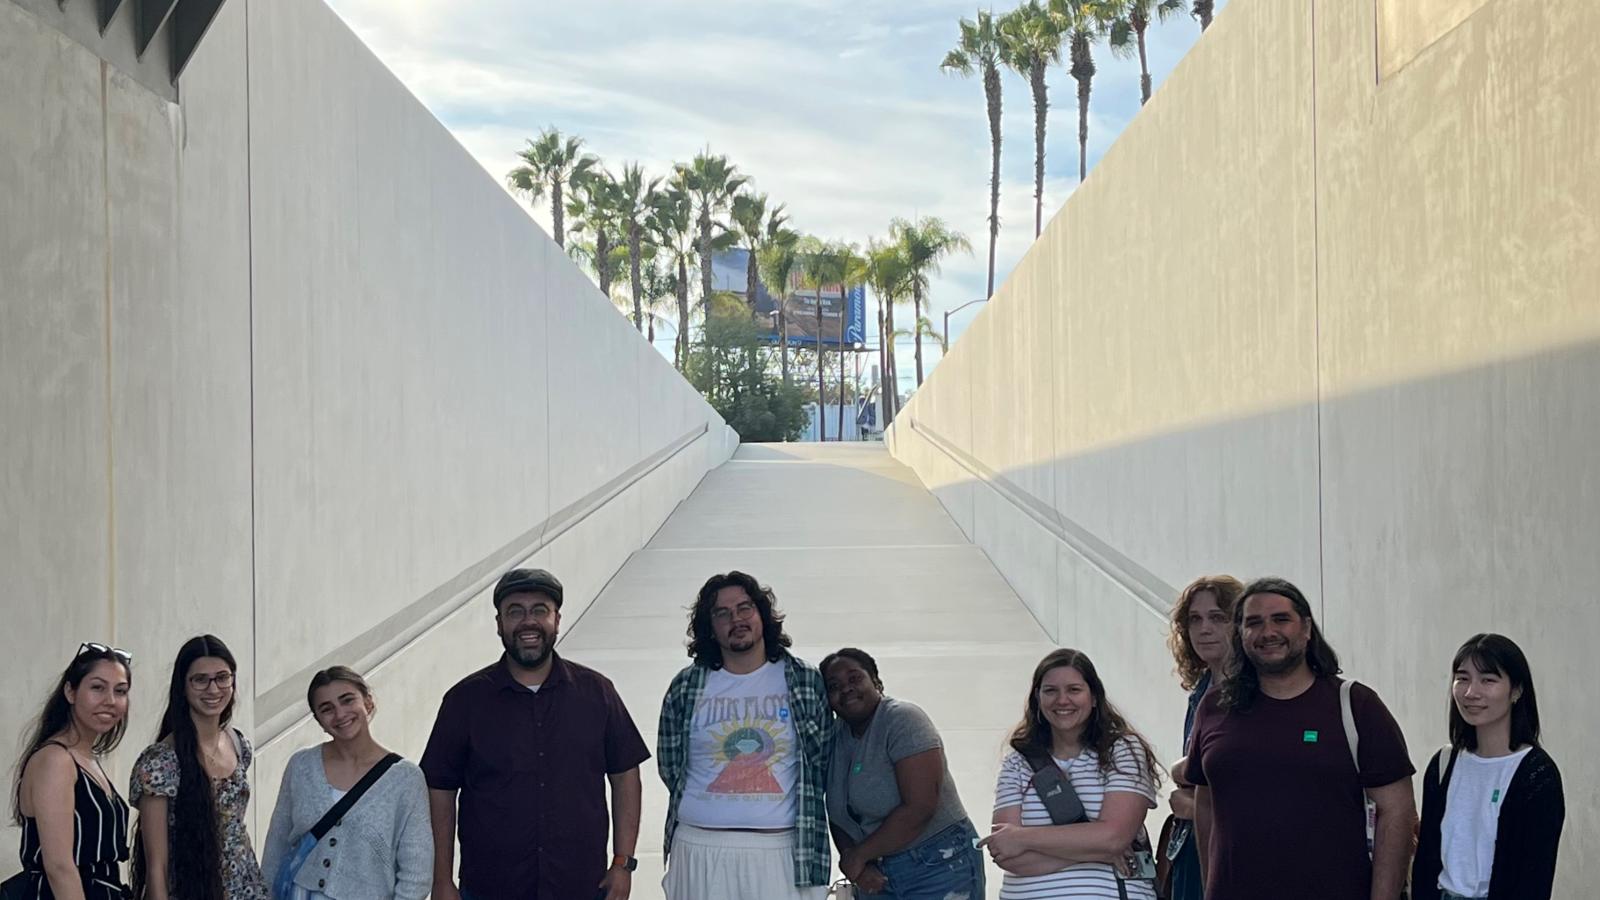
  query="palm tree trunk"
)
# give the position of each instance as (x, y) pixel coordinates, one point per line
(991, 93)
(1144, 65)
(840, 430)
(558, 214)
(635, 285)
(891, 388)
(1041, 107)
(1083, 72)
(822, 388)
(705, 259)
(752, 281)
(1202, 11)
(883, 367)
(783, 335)
(682, 344)
(916, 300)
(602, 260)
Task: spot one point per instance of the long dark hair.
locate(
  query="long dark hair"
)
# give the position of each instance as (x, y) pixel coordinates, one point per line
(1501, 655)
(703, 646)
(1243, 684)
(57, 715)
(194, 840)
(1191, 667)
(1101, 732)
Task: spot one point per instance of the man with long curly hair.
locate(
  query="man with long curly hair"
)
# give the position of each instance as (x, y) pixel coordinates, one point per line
(743, 748)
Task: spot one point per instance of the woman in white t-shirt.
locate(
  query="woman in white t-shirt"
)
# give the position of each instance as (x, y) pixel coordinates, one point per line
(1492, 804)
(1110, 767)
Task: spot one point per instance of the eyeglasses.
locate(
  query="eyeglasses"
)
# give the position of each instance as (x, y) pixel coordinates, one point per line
(515, 613)
(222, 680)
(92, 647)
(744, 610)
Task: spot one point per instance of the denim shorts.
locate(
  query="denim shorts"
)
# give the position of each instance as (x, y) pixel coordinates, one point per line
(939, 868)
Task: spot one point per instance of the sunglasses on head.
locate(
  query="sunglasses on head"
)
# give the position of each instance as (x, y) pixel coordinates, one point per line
(118, 652)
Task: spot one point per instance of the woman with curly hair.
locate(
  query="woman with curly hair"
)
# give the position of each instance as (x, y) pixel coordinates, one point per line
(1201, 641)
(1069, 724)
(74, 823)
(192, 790)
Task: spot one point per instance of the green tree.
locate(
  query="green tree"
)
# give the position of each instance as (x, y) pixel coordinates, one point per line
(1202, 10)
(729, 366)
(821, 264)
(1085, 23)
(925, 244)
(1031, 43)
(854, 267)
(595, 210)
(886, 276)
(713, 182)
(551, 164)
(776, 262)
(1130, 19)
(978, 52)
(672, 228)
(635, 199)
(756, 225)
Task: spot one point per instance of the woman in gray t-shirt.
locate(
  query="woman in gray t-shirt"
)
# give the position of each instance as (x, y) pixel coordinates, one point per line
(892, 805)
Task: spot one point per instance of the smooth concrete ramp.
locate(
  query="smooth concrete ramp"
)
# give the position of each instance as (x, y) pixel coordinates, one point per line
(859, 554)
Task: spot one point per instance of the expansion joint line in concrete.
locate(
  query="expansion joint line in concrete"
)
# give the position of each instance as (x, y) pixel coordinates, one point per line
(1141, 584)
(281, 708)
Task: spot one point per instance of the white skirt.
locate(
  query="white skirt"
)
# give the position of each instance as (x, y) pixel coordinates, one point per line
(709, 864)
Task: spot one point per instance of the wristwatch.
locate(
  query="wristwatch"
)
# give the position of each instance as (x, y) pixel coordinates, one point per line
(624, 862)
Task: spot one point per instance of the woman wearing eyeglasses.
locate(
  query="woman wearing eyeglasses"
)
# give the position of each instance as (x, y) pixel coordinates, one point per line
(192, 790)
(74, 823)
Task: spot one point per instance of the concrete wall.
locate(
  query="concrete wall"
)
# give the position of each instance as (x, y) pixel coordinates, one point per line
(281, 362)
(1323, 315)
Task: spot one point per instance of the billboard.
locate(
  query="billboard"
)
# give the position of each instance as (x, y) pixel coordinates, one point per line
(844, 312)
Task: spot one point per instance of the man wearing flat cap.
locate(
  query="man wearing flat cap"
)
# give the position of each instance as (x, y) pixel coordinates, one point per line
(526, 746)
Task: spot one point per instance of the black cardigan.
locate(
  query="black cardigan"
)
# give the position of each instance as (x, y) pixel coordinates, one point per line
(1525, 838)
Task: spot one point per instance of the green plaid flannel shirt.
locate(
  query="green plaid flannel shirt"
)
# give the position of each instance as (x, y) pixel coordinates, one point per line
(813, 728)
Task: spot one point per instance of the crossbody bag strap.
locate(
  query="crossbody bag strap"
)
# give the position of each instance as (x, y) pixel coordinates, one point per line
(332, 816)
(1055, 790)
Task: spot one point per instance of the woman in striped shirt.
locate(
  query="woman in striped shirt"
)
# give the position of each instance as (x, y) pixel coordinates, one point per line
(1071, 724)
(74, 823)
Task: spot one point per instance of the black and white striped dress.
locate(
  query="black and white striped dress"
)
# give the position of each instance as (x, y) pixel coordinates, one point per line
(99, 842)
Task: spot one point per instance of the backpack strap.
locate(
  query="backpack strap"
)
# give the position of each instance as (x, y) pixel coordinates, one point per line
(1347, 713)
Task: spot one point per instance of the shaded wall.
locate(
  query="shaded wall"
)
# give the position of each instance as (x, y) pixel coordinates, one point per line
(1328, 309)
(281, 362)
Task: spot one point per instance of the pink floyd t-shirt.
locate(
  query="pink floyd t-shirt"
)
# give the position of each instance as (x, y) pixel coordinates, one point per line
(743, 763)
(1288, 818)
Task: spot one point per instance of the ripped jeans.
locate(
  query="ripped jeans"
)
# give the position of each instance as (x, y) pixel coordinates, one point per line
(943, 867)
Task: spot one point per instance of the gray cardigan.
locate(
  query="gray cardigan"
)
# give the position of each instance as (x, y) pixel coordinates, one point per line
(382, 849)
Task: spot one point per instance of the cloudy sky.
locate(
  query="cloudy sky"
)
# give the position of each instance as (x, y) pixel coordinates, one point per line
(834, 107)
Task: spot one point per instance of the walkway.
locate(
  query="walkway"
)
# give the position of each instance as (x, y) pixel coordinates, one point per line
(859, 554)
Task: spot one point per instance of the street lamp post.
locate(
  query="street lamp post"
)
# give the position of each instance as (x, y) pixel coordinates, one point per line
(956, 310)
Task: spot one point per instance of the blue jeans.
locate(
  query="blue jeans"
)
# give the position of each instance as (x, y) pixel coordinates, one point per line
(939, 867)
(1186, 883)
(1446, 895)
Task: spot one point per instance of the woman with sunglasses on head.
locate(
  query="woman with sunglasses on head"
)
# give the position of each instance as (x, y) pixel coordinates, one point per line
(192, 790)
(381, 846)
(1492, 804)
(74, 823)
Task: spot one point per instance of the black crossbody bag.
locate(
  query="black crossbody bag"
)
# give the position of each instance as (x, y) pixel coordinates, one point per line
(1065, 808)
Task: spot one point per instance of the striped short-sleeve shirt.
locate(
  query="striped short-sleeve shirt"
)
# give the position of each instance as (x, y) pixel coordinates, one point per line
(1097, 880)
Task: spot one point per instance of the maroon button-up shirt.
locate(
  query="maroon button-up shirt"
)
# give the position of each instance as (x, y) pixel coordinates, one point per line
(530, 768)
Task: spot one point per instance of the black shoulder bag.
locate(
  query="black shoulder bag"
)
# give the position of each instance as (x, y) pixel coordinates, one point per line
(1061, 801)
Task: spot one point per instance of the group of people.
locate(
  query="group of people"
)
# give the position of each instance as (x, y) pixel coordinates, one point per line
(1295, 783)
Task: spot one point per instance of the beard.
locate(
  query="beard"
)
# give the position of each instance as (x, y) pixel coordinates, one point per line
(739, 642)
(524, 656)
(1291, 660)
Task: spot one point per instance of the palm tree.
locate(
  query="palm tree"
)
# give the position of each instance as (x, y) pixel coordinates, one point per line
(1202, 11)
(713, 182)
(978, 52)
(925, 244)
(925, 329)
(821, 264)
(1130, 19)
(635, 199)
(1032, 44)
(552, 163)
(776, 262)
(594, 208)
(886, 276)
(1084, 22)
(756, 225)
(853, 267)
(672, 229)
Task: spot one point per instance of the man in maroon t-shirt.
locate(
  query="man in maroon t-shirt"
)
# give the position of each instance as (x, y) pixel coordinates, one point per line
(1278, 801)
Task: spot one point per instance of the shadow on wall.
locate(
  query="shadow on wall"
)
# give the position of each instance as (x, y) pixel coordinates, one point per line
(1415, 514)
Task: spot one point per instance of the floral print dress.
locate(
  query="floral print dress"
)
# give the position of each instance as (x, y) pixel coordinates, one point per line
(156, 774)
